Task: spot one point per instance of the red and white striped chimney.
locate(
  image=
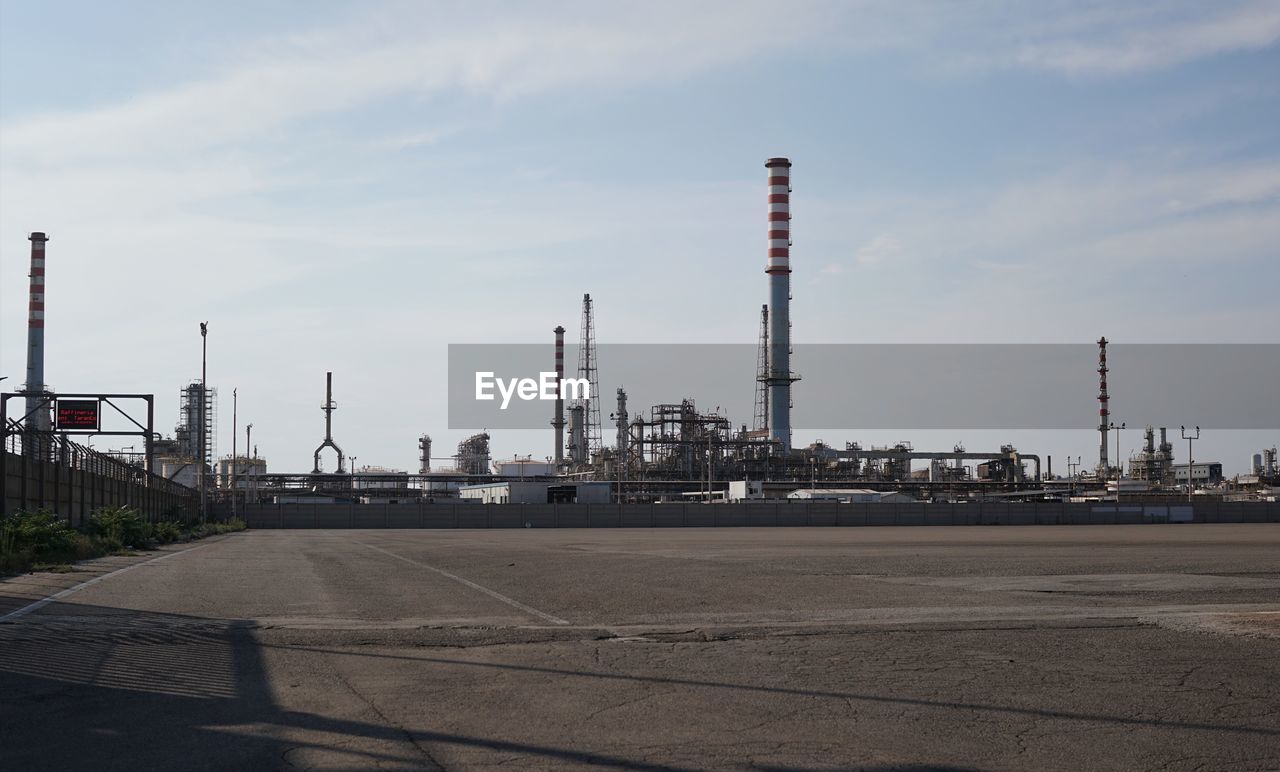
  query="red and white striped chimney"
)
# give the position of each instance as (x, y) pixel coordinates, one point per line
(779, 215)
(37, 410)
(778, 268)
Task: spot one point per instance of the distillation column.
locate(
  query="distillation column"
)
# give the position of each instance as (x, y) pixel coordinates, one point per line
(558, 420)
(1104, 410)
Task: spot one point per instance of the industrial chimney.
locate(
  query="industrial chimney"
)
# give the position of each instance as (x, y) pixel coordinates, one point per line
(38, 419)
(558, 420)
(778, 268)
(1104, 410)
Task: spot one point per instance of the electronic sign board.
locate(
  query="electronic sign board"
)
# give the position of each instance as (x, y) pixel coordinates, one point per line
(76, 414)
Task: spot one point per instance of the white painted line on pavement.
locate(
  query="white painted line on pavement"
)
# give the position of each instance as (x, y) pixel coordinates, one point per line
(12, 615)
(492, 594)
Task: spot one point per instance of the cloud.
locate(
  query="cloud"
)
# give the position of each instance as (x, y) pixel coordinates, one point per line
(880, 250)
(1092, 245)
(255, 193)
(314, 75)
(1151, 41)
(526, 52)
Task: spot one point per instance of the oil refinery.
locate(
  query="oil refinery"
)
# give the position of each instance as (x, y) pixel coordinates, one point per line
(673, 451)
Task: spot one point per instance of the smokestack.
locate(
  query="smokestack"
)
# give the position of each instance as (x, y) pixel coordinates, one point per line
(1104, 409)
(779, 270)
(558, 420)
(37, 406)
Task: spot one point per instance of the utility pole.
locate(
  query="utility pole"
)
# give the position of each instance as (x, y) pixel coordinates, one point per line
(1119, 464)
(204, 403)
(1191, 486)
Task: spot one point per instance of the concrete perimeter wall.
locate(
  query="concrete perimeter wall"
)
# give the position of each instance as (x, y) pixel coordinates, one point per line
(424, 515)
(74, 493)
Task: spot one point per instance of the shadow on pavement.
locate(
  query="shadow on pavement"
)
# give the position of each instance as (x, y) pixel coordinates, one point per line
(836, 695)
(89, 687)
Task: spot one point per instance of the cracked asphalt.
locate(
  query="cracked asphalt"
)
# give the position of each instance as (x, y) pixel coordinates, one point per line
(1110, 647)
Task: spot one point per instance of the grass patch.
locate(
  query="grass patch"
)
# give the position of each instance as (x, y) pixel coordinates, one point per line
(41, 540)
(56, 568)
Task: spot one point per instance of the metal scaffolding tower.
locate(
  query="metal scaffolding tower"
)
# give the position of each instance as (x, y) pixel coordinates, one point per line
(587, 369)
(473, 455)
(762, 373)
(198, 407)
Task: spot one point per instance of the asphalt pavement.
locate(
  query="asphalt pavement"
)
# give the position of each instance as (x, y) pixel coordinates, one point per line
(1088, 647)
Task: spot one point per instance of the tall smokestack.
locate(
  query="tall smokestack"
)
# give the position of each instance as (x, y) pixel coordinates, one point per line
(779, 270)
(1104, 407)
(558, 420)
(37, 407)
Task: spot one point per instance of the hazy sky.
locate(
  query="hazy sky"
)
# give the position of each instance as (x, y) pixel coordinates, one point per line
(353, 186)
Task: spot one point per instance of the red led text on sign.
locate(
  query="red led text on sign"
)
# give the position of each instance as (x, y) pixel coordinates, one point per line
(77, 414)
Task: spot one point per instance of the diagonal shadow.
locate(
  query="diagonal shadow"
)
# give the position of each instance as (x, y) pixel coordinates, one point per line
(875, 698)
(89, 687)
(108, 688)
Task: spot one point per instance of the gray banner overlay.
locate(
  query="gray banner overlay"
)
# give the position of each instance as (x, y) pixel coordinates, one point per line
(900, 386)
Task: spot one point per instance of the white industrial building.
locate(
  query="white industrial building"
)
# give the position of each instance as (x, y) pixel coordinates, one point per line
(1202, 472)
(524, 467)
(537, 492)
(851, 496)
(762, 490)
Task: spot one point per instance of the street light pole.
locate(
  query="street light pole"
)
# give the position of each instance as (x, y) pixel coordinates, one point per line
(1119, 464)
(204, 413)
(1190, 468)
(235, 428)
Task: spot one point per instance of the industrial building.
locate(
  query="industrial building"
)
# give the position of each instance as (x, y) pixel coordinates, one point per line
(851, 496)
(530, 492)
(1202, 473)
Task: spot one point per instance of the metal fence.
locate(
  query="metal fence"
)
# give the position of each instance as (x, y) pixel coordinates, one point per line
(73, 481)
(675, 515)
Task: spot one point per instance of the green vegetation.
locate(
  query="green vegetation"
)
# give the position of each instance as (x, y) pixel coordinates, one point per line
(43, 540)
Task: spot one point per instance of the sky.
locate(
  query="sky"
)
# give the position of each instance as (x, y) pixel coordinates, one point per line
(355, 186)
